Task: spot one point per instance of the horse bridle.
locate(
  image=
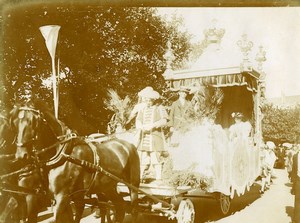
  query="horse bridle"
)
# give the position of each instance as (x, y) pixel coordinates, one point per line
(21, 115)
(4, 141)
(61, 138)
(37, 163)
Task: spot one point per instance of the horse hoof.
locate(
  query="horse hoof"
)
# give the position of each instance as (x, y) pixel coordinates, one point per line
(97, 214)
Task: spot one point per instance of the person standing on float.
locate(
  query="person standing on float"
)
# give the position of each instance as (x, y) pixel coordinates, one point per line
(178, 112)
(150, 121)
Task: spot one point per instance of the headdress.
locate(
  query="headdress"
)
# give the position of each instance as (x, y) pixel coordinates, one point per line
(148, 92)
(237, 115)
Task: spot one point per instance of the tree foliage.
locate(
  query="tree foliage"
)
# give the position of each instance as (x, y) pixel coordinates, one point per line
(99, 48)
(281, 125)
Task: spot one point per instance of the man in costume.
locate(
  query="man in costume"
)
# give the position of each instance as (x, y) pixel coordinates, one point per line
(150, 121)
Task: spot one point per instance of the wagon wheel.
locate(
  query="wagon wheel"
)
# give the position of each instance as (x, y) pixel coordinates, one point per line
(186, 212)
(224, 203)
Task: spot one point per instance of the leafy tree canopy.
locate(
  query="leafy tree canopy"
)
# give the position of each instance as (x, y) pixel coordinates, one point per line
(281, 125)
(99, 48)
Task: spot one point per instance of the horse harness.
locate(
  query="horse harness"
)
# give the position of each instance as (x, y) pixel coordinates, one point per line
(66, 144)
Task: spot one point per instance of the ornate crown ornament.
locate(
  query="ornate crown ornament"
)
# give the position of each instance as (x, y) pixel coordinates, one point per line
(260, 58)
(212, 34)
(245, 47)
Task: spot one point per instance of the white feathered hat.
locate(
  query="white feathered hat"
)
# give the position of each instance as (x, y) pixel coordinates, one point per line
(148, 92)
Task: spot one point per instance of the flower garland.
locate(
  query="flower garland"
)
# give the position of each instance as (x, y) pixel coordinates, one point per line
(187, 177)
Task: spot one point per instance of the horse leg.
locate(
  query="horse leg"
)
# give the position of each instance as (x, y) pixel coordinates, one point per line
(79, 207)
(119, 204)
(21, 213)
(32, 208)
(10, 206)
(63, 210)
(101, 211)
(134, 205)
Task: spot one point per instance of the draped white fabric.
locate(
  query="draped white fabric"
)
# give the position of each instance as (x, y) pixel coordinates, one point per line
(233, 164)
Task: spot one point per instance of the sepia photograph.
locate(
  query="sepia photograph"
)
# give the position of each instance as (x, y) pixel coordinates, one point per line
(149, 111)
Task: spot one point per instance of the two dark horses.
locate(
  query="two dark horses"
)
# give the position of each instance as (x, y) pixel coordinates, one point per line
(18, 181)
(43, 139)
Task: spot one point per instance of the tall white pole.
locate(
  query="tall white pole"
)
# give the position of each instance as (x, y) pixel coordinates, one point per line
(57, 88)
(50, 34)
(54, 86)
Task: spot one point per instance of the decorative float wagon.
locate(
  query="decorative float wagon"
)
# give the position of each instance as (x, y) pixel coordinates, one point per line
(232, 169)
(234, 164)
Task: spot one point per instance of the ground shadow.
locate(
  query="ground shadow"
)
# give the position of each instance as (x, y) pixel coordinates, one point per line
(209, 210)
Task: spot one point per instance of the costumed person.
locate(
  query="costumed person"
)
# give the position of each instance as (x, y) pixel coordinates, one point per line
(268, 161)
(264, 168)
(296, 187)
(239, 148)
(150, 121)
(271, 161)
(289, 162)
(240, 128)
(177, 115)
(141, 104)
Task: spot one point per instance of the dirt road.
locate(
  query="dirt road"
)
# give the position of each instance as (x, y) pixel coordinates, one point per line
(274, 206)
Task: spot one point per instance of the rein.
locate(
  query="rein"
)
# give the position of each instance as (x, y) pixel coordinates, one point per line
(7, 187)
(57, 158)
(38, 164)
(25, 169)
(11, 188)
(98, 168)
(71, 136)
(40, 117)
(62, 139)
(4, 186)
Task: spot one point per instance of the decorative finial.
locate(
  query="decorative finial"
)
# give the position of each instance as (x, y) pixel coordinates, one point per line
(260, 58)
(169, 57)
(212, 34)
(245, 47)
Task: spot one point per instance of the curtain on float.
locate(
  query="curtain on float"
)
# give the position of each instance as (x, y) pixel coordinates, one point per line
(238, 91)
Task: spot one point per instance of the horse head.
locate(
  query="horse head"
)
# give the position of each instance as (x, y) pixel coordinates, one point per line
(35, 128)
(6, 135)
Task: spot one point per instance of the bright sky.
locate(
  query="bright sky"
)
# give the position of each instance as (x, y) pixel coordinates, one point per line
(276, 29)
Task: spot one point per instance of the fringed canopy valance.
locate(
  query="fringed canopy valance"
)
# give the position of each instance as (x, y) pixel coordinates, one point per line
(225, 80)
